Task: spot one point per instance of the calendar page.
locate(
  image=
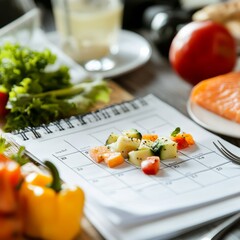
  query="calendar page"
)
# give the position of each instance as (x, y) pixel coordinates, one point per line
(198, 176)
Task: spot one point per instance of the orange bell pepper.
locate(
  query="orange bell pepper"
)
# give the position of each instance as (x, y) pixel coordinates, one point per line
(10, 216)
(51, 209)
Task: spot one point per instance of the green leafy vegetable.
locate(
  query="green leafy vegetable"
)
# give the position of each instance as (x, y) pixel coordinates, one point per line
(19, 62)
(35, 109)
(38, 95)
(176, 131)
(19, 157)
(4, 145)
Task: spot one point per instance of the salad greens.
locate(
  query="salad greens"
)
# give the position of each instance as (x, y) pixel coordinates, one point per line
(38, 95)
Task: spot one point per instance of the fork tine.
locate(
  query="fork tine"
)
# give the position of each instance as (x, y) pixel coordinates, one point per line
(227, 154)
(220, 150)
(230, 153)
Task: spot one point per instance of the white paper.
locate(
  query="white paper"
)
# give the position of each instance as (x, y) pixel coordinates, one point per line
(168, 227)
(200, 176)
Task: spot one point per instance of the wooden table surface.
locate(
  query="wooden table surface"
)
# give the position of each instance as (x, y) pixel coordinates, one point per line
(157, 77)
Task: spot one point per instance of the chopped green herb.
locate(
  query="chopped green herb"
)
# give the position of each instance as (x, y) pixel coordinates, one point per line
(176, 131)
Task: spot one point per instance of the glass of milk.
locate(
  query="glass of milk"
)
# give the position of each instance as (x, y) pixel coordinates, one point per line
(89, 30)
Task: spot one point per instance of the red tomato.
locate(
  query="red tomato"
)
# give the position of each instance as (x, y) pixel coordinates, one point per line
(181, 141)
(201, 50)
(3, 102)
(151, 165)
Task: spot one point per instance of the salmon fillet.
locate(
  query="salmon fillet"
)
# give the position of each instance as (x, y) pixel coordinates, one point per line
(220, 95)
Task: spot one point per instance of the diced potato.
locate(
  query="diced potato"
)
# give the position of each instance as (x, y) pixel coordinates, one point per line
(146, 144)
(125, 144)
(112, 147)
(136, 157)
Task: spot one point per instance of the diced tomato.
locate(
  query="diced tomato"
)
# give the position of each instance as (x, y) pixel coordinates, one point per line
(150, 136)
(183, 140)
(3, 103)
(151, 165)
(96, 153)
(113, 159)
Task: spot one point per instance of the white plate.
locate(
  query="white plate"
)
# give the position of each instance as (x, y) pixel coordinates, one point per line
(133, 52)
(212, 121)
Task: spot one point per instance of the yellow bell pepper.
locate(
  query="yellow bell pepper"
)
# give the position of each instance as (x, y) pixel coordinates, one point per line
(51, 210)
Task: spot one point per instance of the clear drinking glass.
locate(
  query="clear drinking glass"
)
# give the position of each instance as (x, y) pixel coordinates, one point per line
(89, 30)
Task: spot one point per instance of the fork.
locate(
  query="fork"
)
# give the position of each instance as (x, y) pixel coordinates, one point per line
(234, 158)
(220, 230)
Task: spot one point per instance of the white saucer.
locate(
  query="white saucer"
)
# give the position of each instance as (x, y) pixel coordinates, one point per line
(212, 121)
(134, 51)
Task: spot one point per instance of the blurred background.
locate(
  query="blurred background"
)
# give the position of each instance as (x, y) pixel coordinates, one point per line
(161, 18)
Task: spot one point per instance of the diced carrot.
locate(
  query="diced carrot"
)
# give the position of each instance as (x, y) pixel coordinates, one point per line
(113, 159)
(183, 140)
(96, 153)
(189, 138)
(150, 136)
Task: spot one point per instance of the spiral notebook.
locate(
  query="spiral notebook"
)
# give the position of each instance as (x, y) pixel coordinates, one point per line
(121, 199)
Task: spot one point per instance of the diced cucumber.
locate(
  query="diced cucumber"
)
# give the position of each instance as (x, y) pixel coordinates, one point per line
(146, 144)
(136, 157)
(125, 144)
(156, 147)
(165, 148)
(112, 138)
(132, 133)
